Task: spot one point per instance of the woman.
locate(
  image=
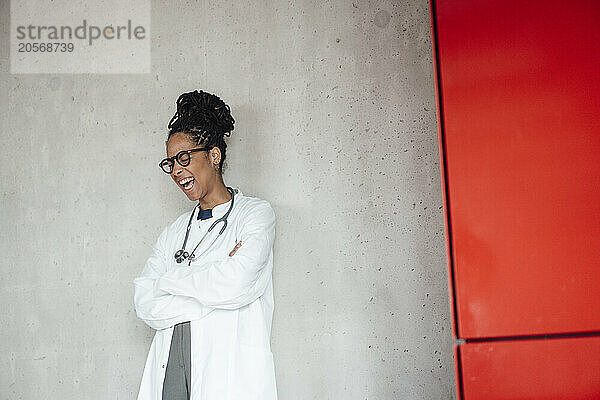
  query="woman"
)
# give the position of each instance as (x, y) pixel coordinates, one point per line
(208, 292)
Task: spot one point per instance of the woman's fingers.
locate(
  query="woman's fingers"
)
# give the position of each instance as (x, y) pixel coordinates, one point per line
(237, 246)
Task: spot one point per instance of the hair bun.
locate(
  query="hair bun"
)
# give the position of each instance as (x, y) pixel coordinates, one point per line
(204, 110)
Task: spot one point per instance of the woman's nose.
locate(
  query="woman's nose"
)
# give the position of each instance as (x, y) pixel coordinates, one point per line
(177, 169)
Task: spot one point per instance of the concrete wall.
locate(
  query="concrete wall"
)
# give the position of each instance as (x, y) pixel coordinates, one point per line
(335, 126)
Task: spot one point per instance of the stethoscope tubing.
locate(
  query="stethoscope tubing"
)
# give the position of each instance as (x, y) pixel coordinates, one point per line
(181, 255)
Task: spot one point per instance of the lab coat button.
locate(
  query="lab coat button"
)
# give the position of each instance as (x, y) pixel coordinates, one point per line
(163, 365)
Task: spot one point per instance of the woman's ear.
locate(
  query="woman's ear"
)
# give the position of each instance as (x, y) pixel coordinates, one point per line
(215, 155)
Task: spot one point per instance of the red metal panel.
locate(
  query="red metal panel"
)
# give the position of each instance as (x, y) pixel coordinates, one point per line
(443, 173)
(520, 95)
(532, 369)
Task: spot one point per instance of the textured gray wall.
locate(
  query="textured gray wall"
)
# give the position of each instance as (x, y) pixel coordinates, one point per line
(335, 126)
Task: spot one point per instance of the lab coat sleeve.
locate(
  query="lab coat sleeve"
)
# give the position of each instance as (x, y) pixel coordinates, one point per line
(159, 309)
(234, 281)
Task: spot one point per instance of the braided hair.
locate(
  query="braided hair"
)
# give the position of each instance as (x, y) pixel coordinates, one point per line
(205, 118)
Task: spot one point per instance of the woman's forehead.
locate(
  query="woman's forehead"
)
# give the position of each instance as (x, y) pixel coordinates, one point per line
(178, 142)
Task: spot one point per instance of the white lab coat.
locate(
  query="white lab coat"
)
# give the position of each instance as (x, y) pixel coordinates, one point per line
(229, 301)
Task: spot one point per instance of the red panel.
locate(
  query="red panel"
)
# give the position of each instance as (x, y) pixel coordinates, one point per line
(457, 387)
(443, 173)
(520, 94)
(562, 369)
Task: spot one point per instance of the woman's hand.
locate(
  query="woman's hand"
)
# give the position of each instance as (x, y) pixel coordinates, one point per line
(237, 246)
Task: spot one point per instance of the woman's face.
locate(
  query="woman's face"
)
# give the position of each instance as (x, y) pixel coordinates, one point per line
(198, 177)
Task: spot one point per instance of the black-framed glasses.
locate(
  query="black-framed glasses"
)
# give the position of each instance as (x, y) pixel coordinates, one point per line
(183, 158)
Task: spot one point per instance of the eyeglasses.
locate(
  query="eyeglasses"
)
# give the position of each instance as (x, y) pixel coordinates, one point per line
(183, 159)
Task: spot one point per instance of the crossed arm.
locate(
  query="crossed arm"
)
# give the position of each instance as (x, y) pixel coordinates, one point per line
(163, 298)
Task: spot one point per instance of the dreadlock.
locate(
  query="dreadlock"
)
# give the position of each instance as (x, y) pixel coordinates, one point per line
(205, 118)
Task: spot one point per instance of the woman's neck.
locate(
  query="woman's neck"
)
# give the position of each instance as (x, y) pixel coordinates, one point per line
(218, 196)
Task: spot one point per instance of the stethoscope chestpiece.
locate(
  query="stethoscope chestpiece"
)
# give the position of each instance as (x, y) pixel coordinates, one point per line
(181, 255)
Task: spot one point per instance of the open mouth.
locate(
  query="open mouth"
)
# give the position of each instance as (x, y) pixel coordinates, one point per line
(187, 183)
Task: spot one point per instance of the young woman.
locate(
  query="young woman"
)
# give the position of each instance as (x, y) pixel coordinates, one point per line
(206, 287)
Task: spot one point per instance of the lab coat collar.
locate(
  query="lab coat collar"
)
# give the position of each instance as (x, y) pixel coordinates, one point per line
(220, 209)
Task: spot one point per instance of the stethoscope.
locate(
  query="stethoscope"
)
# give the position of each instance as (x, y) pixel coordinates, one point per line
(181, 255)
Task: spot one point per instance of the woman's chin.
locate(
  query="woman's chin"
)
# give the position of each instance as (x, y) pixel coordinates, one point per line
(192, 196)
